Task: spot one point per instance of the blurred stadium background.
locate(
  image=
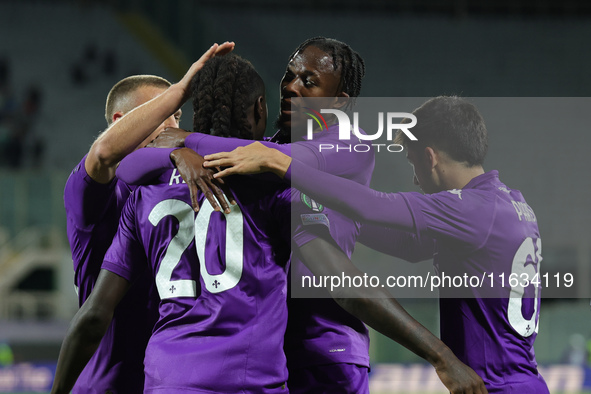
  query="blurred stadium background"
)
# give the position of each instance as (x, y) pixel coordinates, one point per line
(58, 60)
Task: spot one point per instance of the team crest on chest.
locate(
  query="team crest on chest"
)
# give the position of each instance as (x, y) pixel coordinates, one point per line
(310, 203)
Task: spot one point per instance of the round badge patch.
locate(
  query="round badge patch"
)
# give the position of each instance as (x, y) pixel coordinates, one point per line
(310, 203)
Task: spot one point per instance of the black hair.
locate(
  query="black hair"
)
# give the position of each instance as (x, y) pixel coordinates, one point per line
(452, 125)
(222, 91)
(344, 58)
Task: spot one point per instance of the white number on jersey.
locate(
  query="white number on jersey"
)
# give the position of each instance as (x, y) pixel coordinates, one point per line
(521, 265)
(168, 288)
(234, 245)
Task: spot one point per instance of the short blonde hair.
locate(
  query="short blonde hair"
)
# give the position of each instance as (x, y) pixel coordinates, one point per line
(120, 93)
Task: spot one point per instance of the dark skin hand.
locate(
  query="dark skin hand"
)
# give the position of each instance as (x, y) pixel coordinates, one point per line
(190, 165)
(170, 138)
(378, 309)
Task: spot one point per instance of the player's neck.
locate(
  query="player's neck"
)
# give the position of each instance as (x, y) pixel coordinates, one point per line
(456, 175)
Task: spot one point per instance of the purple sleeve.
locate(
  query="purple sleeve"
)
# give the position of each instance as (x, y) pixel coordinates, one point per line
(144, 164)
(466, 216)
(354, 200)
(205, 144)
(126, 253)
(340, 161)
(305, 225)
(86, 201)
(393, 242)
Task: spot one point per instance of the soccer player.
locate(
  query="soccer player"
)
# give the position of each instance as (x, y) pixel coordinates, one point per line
(319, 67)
(339, 372)
(93, 199)
(476, 224)
(223, 333)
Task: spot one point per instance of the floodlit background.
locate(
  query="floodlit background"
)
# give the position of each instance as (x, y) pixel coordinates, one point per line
(58, 60)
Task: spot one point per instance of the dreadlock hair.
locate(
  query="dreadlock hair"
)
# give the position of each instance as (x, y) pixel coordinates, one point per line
(344, 58)
(222, 92)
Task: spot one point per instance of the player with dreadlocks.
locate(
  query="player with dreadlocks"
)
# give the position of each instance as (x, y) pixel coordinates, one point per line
(319, 68)
(304, 74)
(321, 325)
(221, 277)
(327, 348)
(228, 98)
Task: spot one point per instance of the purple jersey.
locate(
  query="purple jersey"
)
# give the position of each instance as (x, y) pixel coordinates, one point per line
(484, 228)
(222, 280)
(318, 326)
(487, 228)
(93, 211)
(319, 330)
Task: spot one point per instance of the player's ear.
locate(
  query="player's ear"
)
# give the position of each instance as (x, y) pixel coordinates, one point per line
(116, 116)
(431, 156)
(341, 100)
(260, 109)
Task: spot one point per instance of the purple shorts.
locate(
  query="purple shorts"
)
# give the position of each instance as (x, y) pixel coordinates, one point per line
(331, 378)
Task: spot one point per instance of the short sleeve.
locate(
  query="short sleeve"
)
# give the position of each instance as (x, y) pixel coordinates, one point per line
(309, 220)
(144, 165)
(86, 201)
(126, 256)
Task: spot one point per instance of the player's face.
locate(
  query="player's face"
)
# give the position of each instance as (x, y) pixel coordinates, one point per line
(310, 73)
(422, 171)
(147, 93)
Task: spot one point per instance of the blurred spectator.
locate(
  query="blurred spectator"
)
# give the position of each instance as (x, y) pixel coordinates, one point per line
(9, 140)
(93, 64)
(12, 137)
(8, 102)
(78, 74)
(18, 136)
(32, 101)
(30, 113)
(110, 63)
(90, 53)
(4, 71)
(576, 352)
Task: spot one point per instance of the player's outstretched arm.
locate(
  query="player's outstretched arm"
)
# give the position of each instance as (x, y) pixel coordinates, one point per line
(354, 200)
(130, 130)
(143, 165)
(252, 159)
(378, 309)
(87, 329)
(357, 201)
